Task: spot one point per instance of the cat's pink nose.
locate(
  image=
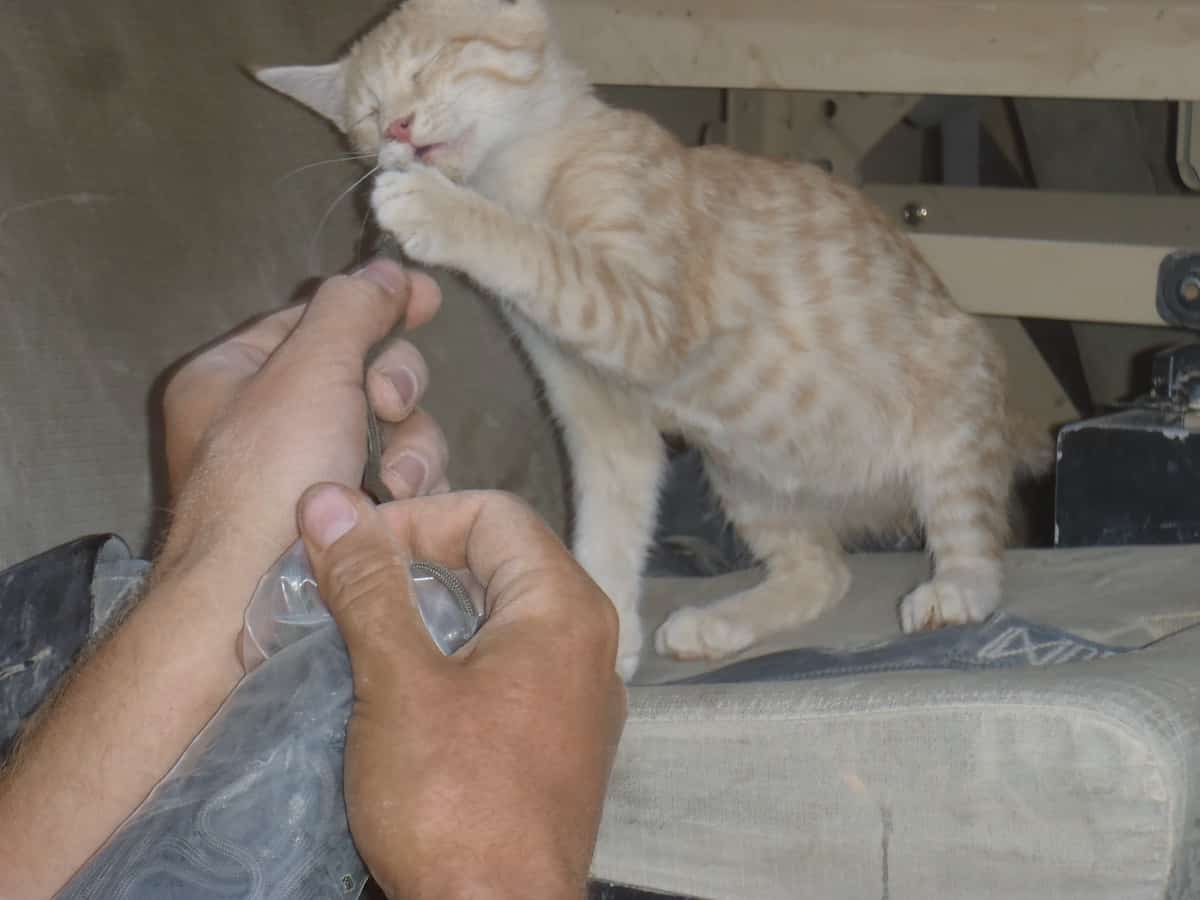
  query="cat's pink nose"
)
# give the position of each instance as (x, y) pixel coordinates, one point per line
(399, 130)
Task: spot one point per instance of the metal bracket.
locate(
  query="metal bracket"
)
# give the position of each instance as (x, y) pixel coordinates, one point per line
(830, 129)
(1187, 144)
(1179, 289)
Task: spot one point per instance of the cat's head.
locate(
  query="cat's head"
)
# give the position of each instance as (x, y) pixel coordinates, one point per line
(445, 82)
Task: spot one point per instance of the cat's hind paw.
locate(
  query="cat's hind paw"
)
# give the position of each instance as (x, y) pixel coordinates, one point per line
(695, 633)
(627, 666)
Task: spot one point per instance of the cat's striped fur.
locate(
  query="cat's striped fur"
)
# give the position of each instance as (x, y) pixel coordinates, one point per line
(764, 310)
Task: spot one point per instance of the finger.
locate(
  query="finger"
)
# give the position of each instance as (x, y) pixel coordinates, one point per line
(396, 381)
(350, 314)
(425, 301)
(415, 455)
(362, 569)
(265, 334)
(246, 348)
(500, 539)
(203, 384)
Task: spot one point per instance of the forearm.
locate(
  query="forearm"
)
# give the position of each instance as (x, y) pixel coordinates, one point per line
(123, 718)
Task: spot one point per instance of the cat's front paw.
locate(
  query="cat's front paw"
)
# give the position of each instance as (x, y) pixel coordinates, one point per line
(695, 633)
(958, 599)
(424, 210)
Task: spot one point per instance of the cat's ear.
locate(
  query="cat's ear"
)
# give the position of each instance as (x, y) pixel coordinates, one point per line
(321, 88)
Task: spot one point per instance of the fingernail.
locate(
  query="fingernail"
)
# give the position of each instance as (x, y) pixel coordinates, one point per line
(410, 469)
(327, 516)
(405, 380)
(387, 274)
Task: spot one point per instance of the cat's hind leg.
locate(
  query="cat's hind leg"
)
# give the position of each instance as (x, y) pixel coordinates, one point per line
(806, 575)
(962, 496)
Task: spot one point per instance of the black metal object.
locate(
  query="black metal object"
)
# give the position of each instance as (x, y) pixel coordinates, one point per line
(1133, 477)
(693, 536)
(1178, 298)
(1175, 379)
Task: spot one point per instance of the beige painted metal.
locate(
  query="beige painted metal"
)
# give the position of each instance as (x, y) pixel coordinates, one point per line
(1071, 280)
(1134, 219)
(995, 118)
(1187, 144)
(1115, 49)
(1035, 389)
(1079, 257)
(835, 129)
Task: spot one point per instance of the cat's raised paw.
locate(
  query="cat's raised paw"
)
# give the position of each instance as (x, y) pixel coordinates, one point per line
(948, 601)
(420, 207)
(695, 633)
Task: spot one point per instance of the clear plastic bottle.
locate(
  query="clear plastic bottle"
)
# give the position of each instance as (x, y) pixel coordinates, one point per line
(287, 606)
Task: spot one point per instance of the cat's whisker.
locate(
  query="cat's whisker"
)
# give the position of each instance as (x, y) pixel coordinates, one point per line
(362, 235)
(358, 122)
(314, 246)
(351, 157)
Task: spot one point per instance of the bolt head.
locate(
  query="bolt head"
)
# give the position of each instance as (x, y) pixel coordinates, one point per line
(914, 214)
(1189, 288)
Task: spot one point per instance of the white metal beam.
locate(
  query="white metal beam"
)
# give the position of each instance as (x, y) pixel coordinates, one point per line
(1118, 49)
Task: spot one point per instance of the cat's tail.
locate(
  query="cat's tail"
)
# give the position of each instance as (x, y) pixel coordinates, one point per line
(1033, 446)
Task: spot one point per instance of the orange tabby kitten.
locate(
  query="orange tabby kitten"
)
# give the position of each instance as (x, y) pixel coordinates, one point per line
(763, 310)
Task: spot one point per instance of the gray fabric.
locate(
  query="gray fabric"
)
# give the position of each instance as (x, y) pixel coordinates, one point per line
(1040, 781)
(1075, 781)
(1039, 765)
(1126, 596)
(255, 809)
(1002, 642)
(1069, 772)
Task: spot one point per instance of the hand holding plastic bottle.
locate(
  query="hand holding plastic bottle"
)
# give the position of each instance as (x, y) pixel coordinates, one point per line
(251, 422)
(480, 774)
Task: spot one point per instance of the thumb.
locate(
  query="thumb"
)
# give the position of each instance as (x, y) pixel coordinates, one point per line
(363, 573)
(350, 314)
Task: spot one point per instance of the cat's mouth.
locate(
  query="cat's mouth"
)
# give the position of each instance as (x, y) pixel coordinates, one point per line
(423, 153)
(427, 153)
(397, 155)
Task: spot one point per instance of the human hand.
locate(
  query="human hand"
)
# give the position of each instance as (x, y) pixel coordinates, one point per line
(251, 423)
(256, 419)
(482, 774)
